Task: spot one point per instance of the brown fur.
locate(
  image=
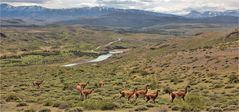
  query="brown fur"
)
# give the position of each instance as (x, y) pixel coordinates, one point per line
(152, 96)
(87, 92)
(141, 92)
(101, 83)
(37, 83)
(83, 85)
(179, 94)
(79, 89)
(127, 93)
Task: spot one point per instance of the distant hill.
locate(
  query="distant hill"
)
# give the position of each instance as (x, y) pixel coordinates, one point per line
(38, 12)
(107, 17)
(196, 14)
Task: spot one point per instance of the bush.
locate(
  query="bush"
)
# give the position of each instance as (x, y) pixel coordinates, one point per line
(21, 104)
(2, 102)
(48, 103)
(233, 79)
(32, 59)
(215, 109)
(29, 110)
(61, 105)
(64, 106)
(110, 106)
(77, 109)
(141, 108)
(175, 107)
(194, 102)
(167, 90)
(92, 104)
(44, 110)
(12, 97)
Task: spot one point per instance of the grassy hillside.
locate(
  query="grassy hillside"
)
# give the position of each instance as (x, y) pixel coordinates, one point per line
(207, 61)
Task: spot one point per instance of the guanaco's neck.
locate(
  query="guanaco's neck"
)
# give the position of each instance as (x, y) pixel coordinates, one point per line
(146, 89)
(186, 90)
(157, 93)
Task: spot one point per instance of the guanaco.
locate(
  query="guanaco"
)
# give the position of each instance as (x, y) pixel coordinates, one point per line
(101, 83)
(125, 93)
(87, 92)
(79, 89)
(83, 85)
(37, 83)
(152, 96)
(141, 92)
(179, 94)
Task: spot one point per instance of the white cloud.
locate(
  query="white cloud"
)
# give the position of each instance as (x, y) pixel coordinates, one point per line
(170, 6)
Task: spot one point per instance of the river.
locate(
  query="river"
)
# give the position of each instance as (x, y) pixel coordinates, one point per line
(98, 59)
(101, 57)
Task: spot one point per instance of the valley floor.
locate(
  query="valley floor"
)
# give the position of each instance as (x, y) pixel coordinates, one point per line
(207, 61)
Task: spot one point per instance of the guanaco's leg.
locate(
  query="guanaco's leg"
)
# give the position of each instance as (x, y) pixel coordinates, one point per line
(173, 97)
(136, 96)
(147, 99)
(183, 98)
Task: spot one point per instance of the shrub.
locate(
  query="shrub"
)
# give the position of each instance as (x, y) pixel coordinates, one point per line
(12, 97)
(175, 107)
(215, 109)
(77, 109)
(2, 102)
(167, 90)
(61, 105)
(231, 108)
(32, 59)
(21, 104)
(233, 79)
(93, 104)
(141, 108)
(229, 86)
(110, 106)
(150, 105)
(48, 103)
(29, 110)
(218, 85)
(44, 110)
(194, 102)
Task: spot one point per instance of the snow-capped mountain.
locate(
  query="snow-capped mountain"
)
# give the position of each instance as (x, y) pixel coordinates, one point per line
(108, 17)
(197, 14)
(45, 13)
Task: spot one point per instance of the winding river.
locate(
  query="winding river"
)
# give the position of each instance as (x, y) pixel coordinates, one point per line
(101, 57)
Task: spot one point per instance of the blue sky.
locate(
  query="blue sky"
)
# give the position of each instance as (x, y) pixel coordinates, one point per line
(169, 6)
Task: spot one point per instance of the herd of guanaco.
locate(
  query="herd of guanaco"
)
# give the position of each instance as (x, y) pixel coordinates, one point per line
(80, 87)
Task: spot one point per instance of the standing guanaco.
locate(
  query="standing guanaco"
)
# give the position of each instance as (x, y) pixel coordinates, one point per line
(37, 83)
(127, 93)
(152, 96)
(179, 94)
(87, 92)
(83, 85)
(101, 83)
(79, 89)
(141, 92)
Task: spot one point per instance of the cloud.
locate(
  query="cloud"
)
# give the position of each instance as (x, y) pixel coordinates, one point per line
(24, 1)
(168, 6)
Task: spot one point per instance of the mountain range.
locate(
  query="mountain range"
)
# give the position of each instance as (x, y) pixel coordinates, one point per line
(108, 17)
(197, 14)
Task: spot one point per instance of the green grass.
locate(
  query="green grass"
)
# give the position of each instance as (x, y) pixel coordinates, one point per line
(165, 67)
